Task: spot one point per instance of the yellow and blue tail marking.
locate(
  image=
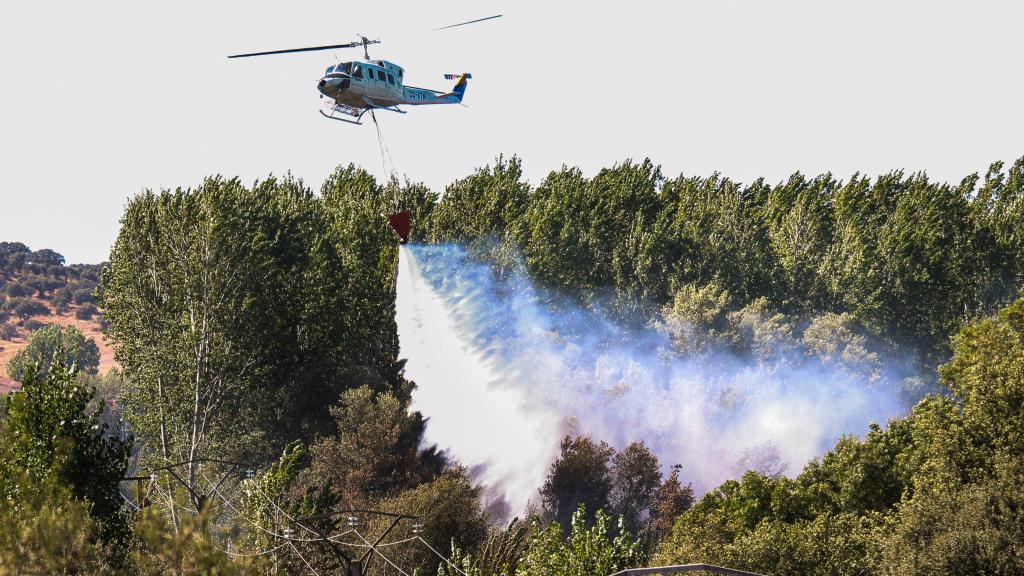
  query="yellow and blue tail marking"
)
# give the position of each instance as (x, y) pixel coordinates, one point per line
(460, 87)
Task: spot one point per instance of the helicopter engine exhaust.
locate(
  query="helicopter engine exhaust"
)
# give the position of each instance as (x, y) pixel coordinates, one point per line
(401, 223)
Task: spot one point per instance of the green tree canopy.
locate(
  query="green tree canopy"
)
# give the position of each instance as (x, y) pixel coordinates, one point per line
(55, 343)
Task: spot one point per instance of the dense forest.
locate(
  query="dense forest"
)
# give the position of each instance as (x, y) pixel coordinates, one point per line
(262, 398)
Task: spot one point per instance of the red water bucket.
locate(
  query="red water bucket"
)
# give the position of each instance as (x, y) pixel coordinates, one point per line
(402, 223)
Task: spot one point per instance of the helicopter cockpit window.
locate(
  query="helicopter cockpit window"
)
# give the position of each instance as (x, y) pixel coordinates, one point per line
(391, 79)
(329, 70)
(343, 67)
(357, 71)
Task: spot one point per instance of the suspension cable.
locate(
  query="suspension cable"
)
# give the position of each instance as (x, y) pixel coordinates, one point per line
(384, 150)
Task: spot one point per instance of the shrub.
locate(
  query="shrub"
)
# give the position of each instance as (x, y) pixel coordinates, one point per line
(8, 331)
(27, 308)
(91, 274)
(86, 311)
(32, 325)
(83, 296)
(19, 290)
(62, 298)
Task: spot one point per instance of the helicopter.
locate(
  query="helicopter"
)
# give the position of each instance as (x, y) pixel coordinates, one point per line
(354, 88)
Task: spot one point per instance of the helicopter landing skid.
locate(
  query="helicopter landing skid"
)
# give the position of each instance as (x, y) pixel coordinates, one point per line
(352, 111)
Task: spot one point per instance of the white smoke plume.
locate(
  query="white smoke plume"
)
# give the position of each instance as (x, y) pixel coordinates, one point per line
(504, 370)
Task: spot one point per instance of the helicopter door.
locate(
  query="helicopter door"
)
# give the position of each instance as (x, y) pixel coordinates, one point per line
(379, 86)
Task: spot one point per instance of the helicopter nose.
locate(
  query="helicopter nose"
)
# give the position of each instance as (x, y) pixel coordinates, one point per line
(332, 86)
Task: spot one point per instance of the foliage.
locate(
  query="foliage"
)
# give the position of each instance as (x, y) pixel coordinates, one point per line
(46, 345)
(49, 532)
(52, 443)
(86, 311)
(82, 296)
(185, 550)
(31, 325)
(376, 450)
(61, 299)
(581, 475)
(585, 551)
(670, 500)
(486, 205)
(636, 477)
(934, 492)
(8, 331)
(449, 509)
(237, 297)
(17, 290)
(241, 314)
(25, 308)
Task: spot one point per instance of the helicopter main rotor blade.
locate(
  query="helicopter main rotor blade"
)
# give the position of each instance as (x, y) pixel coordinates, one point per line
(311, 49)
(464, 23)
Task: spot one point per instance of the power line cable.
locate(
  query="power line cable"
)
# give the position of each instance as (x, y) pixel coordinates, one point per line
(255, 485)
(303, 558)
(447, 561)
(395, 543)
(385, 558)
(261, 528)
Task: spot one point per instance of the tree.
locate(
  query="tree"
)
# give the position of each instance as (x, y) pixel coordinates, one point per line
(375, 452)
(8, 331)
(25, 308)
(45, 257)
(636, 476)
(449, 509)
(800, 228)
(670, 500)
(50, 532)
(486, 205)
(695, 321)
(581, 475)
(55, 343)
(61, 299)
(18, 290)
(83, 296)
(226, 309)
(839, 340)
(50, 434)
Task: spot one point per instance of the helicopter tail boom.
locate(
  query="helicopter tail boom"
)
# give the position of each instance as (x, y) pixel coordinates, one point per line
(460, 87)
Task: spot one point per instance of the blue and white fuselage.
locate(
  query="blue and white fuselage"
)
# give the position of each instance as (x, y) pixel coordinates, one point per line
(355, 87)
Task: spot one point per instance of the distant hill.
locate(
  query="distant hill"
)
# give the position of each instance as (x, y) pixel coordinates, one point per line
(36, 289)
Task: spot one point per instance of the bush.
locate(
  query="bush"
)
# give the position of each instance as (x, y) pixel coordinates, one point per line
(91, 274)
(86, 311)
(8, 331)
(83, 296)
(62, 299)
(26, 308)
(19, 290)
(32, 325)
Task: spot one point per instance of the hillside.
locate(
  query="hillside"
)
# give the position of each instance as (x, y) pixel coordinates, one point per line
(38, 289)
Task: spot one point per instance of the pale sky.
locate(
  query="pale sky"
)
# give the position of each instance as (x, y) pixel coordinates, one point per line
(100, 100)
